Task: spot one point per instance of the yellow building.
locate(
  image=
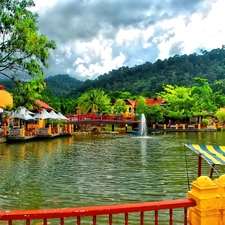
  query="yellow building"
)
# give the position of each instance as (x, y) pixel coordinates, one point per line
(6, 98)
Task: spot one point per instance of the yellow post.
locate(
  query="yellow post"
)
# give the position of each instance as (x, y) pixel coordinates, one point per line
(65, 128)
(207, 211)
(214, 125)
(176, 126)
(164, 126)
(183, 126)
(22, 131)
(35, 130)
(69, 128)
(153, 126)
(50, 129)
(199, 126)
(221, 191)
(57, 128)
(4, 130)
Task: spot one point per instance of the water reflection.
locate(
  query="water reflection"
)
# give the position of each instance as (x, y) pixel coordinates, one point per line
(99, 169)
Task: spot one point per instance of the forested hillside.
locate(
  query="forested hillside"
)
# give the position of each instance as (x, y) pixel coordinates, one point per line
(57, 85)
(147, 79)
(61, 84)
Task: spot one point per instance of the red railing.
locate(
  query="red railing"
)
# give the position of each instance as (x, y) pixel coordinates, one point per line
(97, 211)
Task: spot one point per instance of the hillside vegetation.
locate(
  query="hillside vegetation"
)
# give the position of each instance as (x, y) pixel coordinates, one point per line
(148, 79)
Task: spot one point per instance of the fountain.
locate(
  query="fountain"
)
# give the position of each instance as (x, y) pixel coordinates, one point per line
(143, 129)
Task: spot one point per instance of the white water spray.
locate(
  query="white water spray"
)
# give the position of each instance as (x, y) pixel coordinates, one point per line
(144, 130)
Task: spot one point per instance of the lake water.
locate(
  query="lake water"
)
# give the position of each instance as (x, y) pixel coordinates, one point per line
(85, 170)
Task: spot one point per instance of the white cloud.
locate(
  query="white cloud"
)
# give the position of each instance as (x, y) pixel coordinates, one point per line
(93, 40)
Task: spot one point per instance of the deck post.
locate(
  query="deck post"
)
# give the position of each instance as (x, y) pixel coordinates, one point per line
(183, 125)
(4, 130)
(22, 131)
(49, 129)
(221, 191)
(199, 126)
(208, 202)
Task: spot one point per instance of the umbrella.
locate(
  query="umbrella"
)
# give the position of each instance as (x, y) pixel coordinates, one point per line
(56, 116)
(21, 113)
(43, 115)
(61, 116)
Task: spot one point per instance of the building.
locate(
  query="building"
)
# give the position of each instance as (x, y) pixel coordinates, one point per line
(6, 98)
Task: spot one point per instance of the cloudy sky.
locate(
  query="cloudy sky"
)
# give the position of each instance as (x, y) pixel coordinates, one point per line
(94, 37)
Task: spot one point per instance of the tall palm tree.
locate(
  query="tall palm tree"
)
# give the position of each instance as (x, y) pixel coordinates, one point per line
(94, 101)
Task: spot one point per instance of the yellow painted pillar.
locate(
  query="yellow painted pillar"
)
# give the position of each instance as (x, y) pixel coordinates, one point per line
(72, 127)
(4, 130)
(153, 126)
(221, 191)
(183, 125)
(50, 129)
(199, 126)
(69, 128)
(209, 203)
(214, 125)
(164, 126)
(65, 128)
(22, 131)
(176, 126)
(57, 128)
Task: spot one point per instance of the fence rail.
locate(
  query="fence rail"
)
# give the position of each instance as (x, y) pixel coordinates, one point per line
(94, 211)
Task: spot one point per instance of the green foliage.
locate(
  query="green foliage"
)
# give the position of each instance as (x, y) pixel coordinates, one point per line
(61, 84)
(154, 113)
(141, 107)
(220, 115)
(179, 100)
(94, 101)
(26, 93)
(149, 78)
(23, 52)
(205, 121)
(119, 107)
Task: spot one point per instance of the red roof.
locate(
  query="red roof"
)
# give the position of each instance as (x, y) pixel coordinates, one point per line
(44, 105)
(2, 87)
(151, 101)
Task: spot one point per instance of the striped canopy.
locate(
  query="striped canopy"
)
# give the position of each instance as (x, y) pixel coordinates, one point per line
(214, 155)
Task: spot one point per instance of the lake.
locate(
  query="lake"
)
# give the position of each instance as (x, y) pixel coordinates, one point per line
(88, 169)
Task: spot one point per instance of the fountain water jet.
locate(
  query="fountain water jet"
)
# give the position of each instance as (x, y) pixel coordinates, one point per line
(143, 130)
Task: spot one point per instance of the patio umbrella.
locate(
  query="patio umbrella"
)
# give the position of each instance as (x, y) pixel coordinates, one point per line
(21, 113)
(56, 116)
(43, 115)
(62, 117)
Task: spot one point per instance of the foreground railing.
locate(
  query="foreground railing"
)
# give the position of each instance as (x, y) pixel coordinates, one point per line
(95, 212)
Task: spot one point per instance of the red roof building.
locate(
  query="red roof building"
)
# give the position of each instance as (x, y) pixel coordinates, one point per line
(44, 105)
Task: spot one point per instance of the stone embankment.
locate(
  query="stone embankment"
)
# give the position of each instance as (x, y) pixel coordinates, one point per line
(2, 139)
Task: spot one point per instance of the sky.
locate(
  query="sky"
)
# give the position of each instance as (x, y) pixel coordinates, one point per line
(94, 37)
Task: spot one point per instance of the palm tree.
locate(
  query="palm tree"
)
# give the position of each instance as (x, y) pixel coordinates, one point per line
(94, 101)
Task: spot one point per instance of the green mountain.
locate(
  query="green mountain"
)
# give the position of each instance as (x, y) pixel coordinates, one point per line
(57, 85)
(62, 84)
(148, 79)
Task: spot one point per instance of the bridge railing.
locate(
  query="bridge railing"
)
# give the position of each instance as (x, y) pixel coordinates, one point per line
(95, 213)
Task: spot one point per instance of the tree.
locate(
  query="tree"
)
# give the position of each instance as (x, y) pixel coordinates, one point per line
(180, 102)
(202, 94)
(94, 101)
(119, 107)
(23, 52)
(154, 113)
(26, 93)
(141, 107)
